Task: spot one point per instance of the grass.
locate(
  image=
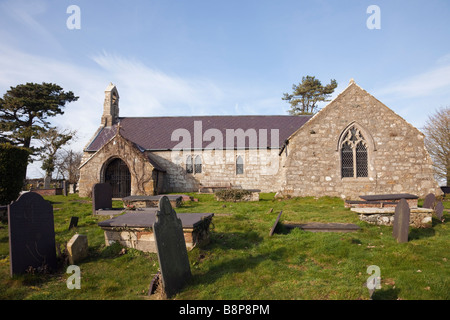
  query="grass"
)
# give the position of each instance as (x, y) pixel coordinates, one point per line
(243, 262)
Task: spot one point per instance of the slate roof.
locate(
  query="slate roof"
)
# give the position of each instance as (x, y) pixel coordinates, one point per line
(155, 133)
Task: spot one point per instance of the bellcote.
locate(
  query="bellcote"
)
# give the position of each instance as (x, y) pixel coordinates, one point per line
(110, 106)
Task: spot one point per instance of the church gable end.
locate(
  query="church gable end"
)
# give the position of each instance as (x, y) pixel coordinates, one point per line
(356, 145)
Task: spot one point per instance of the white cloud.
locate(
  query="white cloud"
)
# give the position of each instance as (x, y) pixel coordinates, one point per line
(420, 85)
(148, 92)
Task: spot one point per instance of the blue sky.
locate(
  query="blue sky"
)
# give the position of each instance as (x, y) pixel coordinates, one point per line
(197, 57)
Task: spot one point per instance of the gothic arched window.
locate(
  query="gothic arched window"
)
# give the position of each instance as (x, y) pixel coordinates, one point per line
(354, 158)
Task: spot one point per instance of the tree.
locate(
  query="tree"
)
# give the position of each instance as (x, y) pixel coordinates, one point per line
(307, 94)
(24, 110)
(52, 140)
(68, 164)
(437, 142)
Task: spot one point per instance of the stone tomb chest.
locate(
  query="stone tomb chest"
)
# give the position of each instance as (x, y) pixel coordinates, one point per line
(151, 201)
(134, 229)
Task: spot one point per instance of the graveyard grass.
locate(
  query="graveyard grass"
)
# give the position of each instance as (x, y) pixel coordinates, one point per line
(243, 262)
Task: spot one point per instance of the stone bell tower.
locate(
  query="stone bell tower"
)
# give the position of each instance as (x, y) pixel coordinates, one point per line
(110, 106)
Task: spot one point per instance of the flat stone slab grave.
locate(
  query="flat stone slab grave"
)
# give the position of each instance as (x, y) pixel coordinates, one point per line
(394, 197)
(31, 234)
(323, 227)
(134, 229)
(152, 201)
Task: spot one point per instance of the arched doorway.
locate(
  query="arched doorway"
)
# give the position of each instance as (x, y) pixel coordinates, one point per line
(118, 175)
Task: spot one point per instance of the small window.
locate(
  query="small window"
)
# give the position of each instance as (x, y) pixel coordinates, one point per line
(198, 164)
(189, 166)
(239, 165)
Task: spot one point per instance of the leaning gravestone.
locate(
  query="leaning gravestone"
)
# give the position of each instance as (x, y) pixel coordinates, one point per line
(101, 197)
(439, 210)
(272, 230)
(77, 248)
(31, 234)
(401, 221)
(171, 248)
(429, 201)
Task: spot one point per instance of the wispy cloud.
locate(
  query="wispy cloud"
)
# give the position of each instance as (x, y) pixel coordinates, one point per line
(420, 85)
(145, 91)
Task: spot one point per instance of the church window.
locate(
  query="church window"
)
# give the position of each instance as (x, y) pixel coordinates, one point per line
(239, 165)
(189, 166)
(198, 164)
(354, 156)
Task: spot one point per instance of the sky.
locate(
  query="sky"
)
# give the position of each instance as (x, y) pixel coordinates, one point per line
(207, 57)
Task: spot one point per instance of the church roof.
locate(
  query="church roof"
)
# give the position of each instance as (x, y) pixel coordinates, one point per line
(155, 133)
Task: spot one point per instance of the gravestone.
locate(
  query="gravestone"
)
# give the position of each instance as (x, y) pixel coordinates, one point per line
(429, 201)
(171, 248)
(64, 188)
(401, 221)
(73, 222)
(439, 210)
(77, 248)
(272, 230)
(31, 234)
(101, 197)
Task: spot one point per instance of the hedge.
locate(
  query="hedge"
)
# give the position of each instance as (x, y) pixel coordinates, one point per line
(13, 167)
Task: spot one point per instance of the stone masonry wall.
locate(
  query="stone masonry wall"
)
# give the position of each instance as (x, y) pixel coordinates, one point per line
(397, 159)
(142, 174)
(261, 170)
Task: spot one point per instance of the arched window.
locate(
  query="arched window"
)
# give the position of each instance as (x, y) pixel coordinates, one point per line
(198, 164)
(354, 158)
(239, 165)
(189, 165)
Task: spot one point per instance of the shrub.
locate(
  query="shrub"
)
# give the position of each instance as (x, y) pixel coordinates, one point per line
(13, 167)
(232, 194)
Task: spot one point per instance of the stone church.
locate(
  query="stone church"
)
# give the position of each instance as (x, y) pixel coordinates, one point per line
(355, 145)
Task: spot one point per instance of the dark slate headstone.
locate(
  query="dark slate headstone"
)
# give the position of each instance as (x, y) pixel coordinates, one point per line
(171, 248)
(272, 230)
(73, 222)
(439, 210)
(31, 234)
(429, 201)
(401, 221)
(101, 197)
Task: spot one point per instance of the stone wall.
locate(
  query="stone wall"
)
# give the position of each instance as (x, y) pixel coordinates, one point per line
(261, 170)
(397, 159)
(144, 179)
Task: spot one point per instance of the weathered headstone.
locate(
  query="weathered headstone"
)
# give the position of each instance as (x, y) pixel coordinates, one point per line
(31, 234)
(77, 248)
(401, 221)
(429, 201)
(171, 248)
(64, 188)
(272, 230)
(101, 197)
(439, 210)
